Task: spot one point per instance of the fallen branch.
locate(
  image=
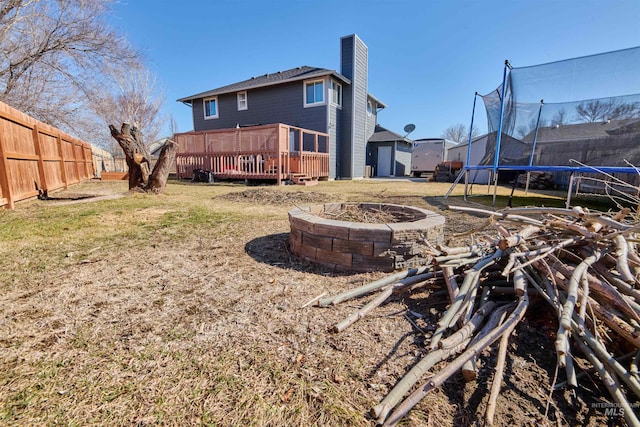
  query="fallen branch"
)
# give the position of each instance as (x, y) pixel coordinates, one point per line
(373, 286)
(497, 376)
(381, 298)
(456, 364)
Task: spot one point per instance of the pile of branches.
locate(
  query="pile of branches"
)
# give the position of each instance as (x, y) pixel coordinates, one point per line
(537, 180)
(585, 265)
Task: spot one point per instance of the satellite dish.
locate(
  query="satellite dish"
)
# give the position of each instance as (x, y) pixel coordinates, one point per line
(409, 128)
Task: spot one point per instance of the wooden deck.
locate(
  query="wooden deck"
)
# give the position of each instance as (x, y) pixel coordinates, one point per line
(270, 152)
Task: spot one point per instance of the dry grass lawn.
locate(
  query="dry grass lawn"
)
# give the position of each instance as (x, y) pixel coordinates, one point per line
(185, 309)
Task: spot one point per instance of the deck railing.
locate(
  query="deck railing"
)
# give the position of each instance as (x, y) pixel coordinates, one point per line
(270, 152)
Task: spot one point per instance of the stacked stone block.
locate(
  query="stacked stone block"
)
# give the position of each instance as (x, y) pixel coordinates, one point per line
(353, 246)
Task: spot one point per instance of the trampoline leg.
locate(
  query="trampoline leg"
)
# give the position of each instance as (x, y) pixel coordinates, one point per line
(489, 182)
(513, 189)
(495, 188)
(526, 187)
(569, 191)
(466, 184)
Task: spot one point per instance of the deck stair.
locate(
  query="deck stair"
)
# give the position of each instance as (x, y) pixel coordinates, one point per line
(302, 179)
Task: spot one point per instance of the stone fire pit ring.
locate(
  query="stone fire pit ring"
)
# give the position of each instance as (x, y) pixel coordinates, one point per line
(363, 247)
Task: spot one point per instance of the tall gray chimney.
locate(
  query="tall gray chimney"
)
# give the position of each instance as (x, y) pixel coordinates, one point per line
(354, 63)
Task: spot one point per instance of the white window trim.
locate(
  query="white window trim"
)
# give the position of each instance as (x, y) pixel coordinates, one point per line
(370, 111)
(324, 93)
(333, 82)
(204, 108)
(246, 101)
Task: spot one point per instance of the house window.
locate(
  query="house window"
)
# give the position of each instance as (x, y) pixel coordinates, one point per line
(314, 93)
(211, 108)
(336, 93)
(369, 107)
(242, 101)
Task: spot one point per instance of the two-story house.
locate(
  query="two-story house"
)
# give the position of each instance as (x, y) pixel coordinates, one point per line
(319, 99)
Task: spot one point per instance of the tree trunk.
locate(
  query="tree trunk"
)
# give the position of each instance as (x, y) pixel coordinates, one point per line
(138, 157)
(158, 178)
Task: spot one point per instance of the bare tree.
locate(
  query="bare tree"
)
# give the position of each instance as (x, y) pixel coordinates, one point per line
(459, 133)
(524, 130)
(560, 118)
(173, 125)
(134, 98)
(54, 53)
(601, 110)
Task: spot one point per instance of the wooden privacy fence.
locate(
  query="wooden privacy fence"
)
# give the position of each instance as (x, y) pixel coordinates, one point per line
(273, 152)
(37, 157)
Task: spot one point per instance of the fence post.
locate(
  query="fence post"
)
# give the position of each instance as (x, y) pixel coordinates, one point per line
(88, 172)
(75, 143)
(38, 149)
(92, 169)
(63, 167)
(4, 177)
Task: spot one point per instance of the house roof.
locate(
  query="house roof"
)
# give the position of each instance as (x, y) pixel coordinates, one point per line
(377, 101)
(582, 131)
(382, 134)
(155, 146)
(270, 79)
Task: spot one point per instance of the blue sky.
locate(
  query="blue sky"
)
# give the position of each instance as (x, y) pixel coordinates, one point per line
(427, 58)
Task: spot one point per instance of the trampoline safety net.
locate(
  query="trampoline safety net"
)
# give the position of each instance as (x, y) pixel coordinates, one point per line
(575, 114)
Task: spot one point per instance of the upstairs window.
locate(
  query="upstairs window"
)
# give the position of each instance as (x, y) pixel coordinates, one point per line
(314, 93)
(336, 93)
(242, 101)
(369, 107)
(211, 108)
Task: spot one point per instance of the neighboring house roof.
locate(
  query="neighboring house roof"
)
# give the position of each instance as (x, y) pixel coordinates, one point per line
(465, 145)
(476, 139)
(381, 134)
(447, 142)
(155, 146)
(582, 131)
(294, 74)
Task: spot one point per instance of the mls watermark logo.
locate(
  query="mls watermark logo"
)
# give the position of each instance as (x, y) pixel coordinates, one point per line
(613, 409)
(614, 412)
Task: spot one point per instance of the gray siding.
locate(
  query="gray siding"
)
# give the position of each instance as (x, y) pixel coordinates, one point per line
(273, 104)
(403, 159)
(372, 121)
(335, 126)
(372, 156)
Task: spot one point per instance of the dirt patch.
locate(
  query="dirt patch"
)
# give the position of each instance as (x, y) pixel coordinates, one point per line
(176, 323)
(268, 196)
(75, 199)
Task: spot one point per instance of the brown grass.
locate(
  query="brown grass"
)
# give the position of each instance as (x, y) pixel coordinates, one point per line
(185, 309)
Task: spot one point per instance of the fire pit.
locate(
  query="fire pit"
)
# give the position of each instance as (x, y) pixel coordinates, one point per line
(399, 242)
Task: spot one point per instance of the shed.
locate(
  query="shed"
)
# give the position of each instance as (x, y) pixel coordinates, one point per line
(458, 153)
(388, 154)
